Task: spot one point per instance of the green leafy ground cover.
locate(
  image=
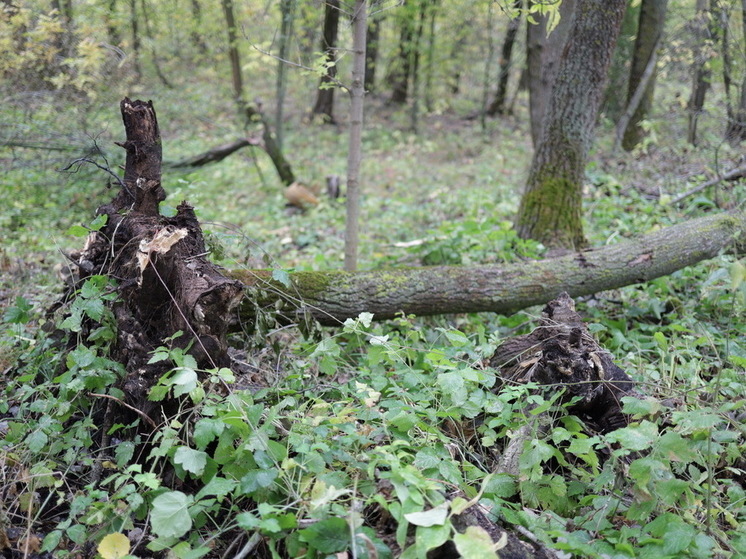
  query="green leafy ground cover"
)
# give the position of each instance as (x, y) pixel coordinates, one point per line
(367, 438)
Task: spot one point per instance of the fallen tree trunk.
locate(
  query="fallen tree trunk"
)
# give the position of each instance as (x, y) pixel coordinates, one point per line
(332, 297)
(215, 154)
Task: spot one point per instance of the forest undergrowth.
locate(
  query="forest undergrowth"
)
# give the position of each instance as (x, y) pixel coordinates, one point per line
(369, 438)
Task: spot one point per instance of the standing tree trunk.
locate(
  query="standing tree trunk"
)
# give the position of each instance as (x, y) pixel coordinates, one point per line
(357, 95)
(649, 32)
(196, 26)
(614, 100)
(700, 70)
(551, 206)
(250, 113)
(153, 55)
(542, 61)
(112, 31)
(324, 106)
(371, 51)
(736, 131)
(135, 41)
(497, 107)
(401, 66)
(430, 57)
(416, 74)
(287, 12)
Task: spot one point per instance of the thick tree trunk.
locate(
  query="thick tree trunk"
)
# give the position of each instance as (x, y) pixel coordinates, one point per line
(551, 206)
(324, 106)
(542, 62)
(649, 32)
(332, 297)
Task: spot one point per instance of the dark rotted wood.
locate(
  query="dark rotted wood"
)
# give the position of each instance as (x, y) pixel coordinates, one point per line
(561, 352)
(165, 282)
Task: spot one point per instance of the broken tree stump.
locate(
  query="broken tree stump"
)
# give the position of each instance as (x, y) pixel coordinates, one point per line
(562, 353)
(164, 281)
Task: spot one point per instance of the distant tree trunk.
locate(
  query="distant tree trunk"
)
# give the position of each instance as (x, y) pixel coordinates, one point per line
(112, 30)
(542, 60)
(614, 99)
(487, 66)
(401, 66)
(416, 74)
(250, 113)
(497, 107)
(736, 131)
(457, 47)
(649, 32)
(197, 24)
(430, 57)
(287, 12)
(324, 106)
(153, 54)
(354, 157)
(700, 70)
(135, 41)
(551, 206)
(371, 51)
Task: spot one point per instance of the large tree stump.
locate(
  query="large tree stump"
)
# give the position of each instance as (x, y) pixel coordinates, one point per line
(164, 281)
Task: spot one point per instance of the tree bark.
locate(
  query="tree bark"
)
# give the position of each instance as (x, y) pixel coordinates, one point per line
(354, 157)
(542, 62)
(332, 297)
(649, 32)
(551, 206)
(324, 106)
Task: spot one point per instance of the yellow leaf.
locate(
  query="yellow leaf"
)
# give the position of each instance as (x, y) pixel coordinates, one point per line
(114, 546)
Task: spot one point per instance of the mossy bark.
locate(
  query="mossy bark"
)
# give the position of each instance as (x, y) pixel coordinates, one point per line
(550, 209)
(332, 297)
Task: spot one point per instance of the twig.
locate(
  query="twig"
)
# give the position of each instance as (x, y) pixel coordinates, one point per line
(736, 173)
(249, 547)
(138, 412)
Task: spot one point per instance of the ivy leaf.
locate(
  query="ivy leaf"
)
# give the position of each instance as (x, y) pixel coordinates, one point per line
(193, 461)
(114, 546)
(436, 516)
(328, 536)
(281, 276)
(170, 515)
(476, 543)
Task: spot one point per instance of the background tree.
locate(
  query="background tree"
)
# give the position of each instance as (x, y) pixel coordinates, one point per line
(324, 106)
(614, 98)
(287, 14)
(649, 33)
(735, 133)
(551, 206)
(701, 75)
(497, 107)
(400, 68)
(371, 49)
